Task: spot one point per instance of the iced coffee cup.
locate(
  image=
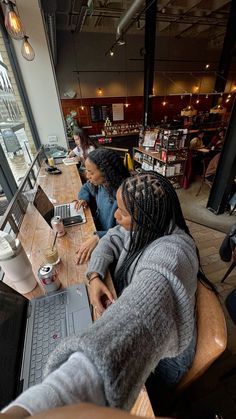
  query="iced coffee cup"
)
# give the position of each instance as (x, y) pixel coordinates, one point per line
(51, 255)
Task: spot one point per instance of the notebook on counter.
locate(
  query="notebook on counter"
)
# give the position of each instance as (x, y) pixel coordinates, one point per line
(67, 211)
(30, 331)
(68, 161)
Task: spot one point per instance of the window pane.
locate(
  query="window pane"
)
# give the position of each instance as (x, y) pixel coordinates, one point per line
(15, 134)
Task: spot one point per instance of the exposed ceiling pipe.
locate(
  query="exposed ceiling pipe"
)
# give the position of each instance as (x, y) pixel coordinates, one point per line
(125, 19)
(49, 9)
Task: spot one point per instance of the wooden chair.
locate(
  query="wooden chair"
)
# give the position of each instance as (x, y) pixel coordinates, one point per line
(211, 338)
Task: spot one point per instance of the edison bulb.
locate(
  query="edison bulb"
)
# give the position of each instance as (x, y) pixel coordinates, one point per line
(27, 50)
(13, 23)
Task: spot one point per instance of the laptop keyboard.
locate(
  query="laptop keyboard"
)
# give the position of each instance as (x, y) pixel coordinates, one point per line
(63, 211)
(49, 328)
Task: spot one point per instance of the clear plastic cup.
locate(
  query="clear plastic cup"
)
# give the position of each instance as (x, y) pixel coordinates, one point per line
(51, 255)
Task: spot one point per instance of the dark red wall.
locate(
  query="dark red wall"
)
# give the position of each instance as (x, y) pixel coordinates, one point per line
(134, 112)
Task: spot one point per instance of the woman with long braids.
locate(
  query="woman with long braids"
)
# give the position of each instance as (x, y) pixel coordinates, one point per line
(105, 172)
(150, 324)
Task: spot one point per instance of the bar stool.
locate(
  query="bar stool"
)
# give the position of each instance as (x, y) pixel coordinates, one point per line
(205, 162)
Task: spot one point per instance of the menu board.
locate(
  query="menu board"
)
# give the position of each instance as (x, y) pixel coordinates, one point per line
(100, 112)
(118, 111)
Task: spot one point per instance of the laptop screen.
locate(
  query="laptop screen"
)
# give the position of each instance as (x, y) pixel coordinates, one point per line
(13, 315)
(43, 205)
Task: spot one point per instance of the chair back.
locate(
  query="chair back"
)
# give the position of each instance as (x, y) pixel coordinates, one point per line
(211, 335)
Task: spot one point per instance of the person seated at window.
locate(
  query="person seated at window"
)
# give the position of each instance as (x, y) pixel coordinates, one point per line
(152, 322)
(211, 168)
(83, 146)
(197, 142)
(105, 172)
(217, 140)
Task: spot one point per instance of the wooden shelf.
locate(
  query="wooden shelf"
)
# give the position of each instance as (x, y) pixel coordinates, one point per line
(155, 156)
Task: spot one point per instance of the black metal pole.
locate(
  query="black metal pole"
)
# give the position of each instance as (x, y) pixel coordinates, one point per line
(226, 171)
(149, 57)
(226, 53)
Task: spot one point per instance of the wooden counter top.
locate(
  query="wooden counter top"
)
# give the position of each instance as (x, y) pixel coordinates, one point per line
(35, 235)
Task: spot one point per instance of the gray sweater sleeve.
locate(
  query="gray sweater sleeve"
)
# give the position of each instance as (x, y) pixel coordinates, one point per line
(108, 249)
(74, 381)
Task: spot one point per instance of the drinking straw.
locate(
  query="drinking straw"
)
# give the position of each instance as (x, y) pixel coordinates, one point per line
(54, 241)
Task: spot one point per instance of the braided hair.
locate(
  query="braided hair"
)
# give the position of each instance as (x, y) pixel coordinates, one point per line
(155, 211)
(111, 166)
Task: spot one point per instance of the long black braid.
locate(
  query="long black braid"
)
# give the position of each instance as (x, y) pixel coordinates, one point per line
(111, 166)
(155, 211)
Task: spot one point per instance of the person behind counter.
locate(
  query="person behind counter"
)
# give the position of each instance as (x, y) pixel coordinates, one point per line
(217, 140)
(105, 172)
(152, 320)
(83, 145)
(197, 142)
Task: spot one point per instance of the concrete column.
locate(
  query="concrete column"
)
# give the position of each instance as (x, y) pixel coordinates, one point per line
(149, 57)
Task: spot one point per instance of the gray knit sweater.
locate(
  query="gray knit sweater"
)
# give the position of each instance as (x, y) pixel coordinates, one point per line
(151, 320)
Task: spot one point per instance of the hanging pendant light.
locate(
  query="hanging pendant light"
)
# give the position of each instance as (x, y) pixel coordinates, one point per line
(189, 110)
(13, 22)
(27, 50)
(218, 109)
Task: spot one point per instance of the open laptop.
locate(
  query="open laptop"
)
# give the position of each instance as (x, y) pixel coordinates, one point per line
(30, 331)
(67, 211)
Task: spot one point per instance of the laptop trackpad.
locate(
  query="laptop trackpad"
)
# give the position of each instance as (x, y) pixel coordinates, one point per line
(81, 320)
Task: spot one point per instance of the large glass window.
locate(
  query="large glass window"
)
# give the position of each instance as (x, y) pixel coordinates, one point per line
(16, 140)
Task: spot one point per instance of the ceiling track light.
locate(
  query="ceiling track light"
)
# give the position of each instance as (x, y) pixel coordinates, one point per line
(121, 41)
(111, 52)
(12, 21)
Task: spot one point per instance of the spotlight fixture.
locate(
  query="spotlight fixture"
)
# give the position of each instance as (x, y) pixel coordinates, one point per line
(27, 50)
(229, 96)
(12, 21)
(227, 100)
(121, 41)
(111, 52)
(126, 104)
(207, 66)
(82, 108)
(207, 96)
(197, 101)
(100, 91)
(164, 103)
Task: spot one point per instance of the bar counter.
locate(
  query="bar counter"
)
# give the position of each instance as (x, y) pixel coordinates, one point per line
(35, 234)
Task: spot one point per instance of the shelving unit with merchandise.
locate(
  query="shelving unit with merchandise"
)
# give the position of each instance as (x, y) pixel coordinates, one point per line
(169, 156)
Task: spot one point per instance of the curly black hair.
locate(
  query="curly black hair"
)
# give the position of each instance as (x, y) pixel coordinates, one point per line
(111, 166)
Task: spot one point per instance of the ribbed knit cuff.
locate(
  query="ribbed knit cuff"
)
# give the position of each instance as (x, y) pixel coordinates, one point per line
(75, 381)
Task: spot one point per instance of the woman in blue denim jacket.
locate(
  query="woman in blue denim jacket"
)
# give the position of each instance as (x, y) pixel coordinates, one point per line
(105, 172)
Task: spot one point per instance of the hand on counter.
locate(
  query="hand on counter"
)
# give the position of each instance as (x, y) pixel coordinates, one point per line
(100, 296)
(84, 251)
(80, 203)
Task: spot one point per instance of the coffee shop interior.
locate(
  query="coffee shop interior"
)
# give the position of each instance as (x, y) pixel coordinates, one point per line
(154, 79)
